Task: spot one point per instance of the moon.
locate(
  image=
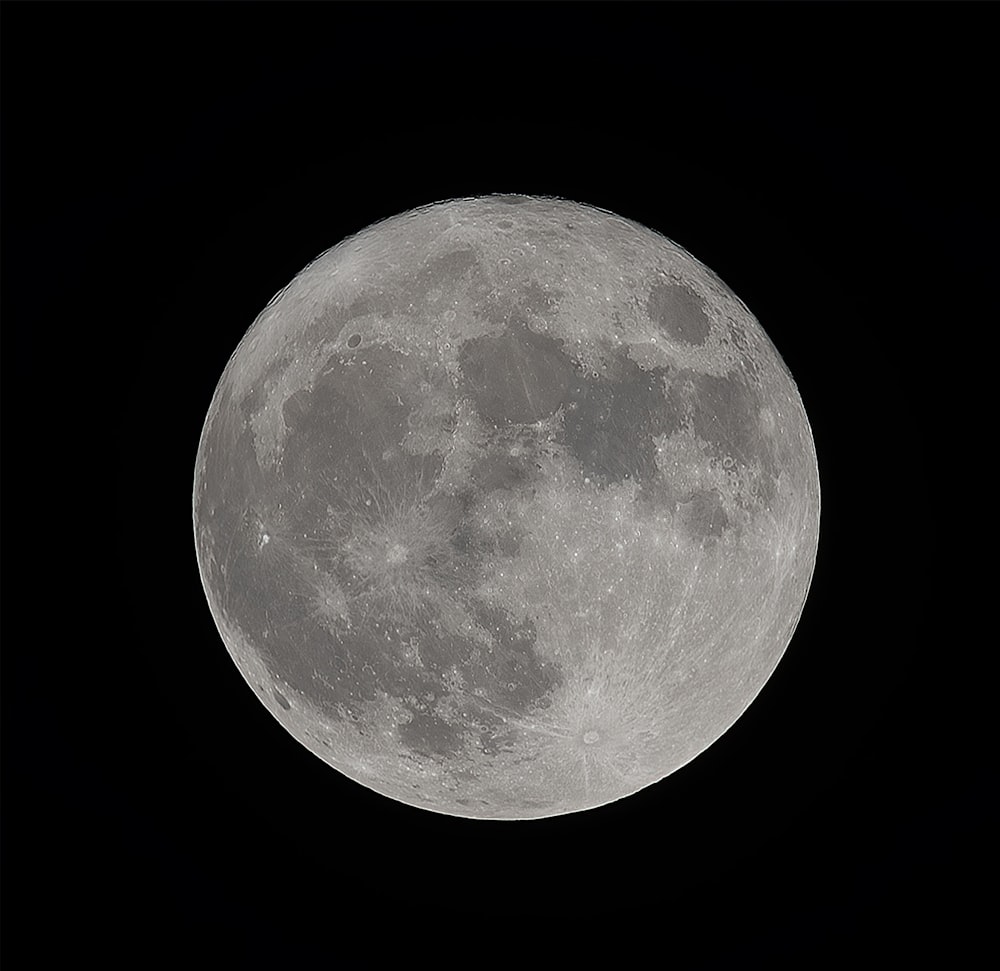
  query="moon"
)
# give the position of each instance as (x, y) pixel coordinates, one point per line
(506, 507)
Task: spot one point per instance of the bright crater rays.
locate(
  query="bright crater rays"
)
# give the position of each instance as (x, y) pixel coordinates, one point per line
(506, 507)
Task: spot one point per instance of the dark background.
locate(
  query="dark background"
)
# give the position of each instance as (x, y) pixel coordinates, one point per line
(168, 168)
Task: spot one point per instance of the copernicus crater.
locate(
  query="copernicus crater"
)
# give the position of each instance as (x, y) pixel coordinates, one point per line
(506, 507)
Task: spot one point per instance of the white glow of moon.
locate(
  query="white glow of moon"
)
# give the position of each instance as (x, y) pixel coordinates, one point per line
(506, 507)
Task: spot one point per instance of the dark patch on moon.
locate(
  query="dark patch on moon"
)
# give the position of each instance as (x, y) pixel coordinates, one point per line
(358, 576)
(498, 469)
(363, 305)
(510, 669)
(428, 734)
(446, 269)
(337, 480)
(702, 515)
(679, 313)
(511, 460)
(439, 277)
(518, 377)
(338, 428)
(610, 424)
(724, 412)
(411, 289)
(252, 401)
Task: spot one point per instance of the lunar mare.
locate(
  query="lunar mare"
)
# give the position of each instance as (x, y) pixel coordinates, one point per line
(506, 507)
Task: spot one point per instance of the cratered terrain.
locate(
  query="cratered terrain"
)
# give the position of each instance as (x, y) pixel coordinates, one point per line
(506, 507)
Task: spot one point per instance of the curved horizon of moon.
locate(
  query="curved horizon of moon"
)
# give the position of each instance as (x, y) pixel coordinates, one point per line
(506, 507)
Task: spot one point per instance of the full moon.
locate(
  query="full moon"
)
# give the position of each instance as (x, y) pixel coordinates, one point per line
(506, 507)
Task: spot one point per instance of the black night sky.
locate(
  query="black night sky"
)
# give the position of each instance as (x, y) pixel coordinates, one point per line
(168, 167)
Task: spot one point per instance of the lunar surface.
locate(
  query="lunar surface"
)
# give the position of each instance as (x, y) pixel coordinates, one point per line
(506, 507)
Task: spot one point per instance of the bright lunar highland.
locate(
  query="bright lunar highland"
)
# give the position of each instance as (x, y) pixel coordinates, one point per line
(506, 507)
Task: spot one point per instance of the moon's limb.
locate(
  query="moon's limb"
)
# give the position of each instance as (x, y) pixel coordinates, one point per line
(506, 510)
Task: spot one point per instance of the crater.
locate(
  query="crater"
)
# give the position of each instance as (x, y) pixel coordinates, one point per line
(702, 516)
(679, 313)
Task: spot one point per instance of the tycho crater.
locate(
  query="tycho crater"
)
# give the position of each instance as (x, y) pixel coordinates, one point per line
(506, 507)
